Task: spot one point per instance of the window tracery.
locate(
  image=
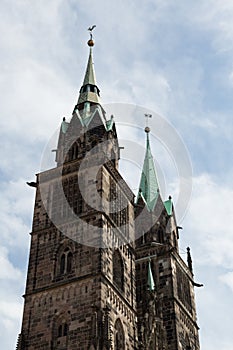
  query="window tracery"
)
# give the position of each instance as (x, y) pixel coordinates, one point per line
(66, 261)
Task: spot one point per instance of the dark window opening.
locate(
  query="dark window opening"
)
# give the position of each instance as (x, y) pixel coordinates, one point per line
(60, 331)
(66, 262)
(63, 330)
(118, 270)
(69, 262)
(62, 263)
(175, 239)
(160, 236)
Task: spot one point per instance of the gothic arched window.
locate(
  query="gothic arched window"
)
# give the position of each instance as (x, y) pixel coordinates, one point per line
(61, 336)
(73, 152)
(119, 337)
(118, 270)
(66, 262)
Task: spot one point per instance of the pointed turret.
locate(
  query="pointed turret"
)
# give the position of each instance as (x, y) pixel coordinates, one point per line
(90, 117)
(89, 93)
(148, 188)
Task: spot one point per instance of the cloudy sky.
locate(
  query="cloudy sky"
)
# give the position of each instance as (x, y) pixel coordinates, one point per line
(172, 58)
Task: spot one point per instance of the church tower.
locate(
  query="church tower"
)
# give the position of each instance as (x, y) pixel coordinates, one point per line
(104, 270)
(165, 285)
(80, 291)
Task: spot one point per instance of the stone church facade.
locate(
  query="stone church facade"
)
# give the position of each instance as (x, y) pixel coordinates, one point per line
(104, 270)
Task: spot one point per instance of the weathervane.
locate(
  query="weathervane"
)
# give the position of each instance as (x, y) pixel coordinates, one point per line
(91, 41)
(147, 116)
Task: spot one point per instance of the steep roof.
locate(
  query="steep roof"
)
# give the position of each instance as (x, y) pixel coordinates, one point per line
(90, 71)
(89, 92)
(148, 188)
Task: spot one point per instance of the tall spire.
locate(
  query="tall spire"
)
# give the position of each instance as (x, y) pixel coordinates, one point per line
(148, 188)
(88, 106)
(89, 92)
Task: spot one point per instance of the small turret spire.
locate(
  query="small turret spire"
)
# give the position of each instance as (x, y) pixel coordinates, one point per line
(150, 278)
(148, 188)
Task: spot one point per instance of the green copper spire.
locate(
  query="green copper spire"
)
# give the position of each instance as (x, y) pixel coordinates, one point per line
(88, 106)
(150, 278)
(148, 188)
(89, 92)
(90, 71)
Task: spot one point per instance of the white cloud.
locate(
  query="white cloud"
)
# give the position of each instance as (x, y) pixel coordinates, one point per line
(208, 222)
(11, 307)
(17, 203)
(228, 279)
(205, 123)
(35, 89)
(216, 16)
(15, 197)
(207, 229)
(8, 271)
(10, 310)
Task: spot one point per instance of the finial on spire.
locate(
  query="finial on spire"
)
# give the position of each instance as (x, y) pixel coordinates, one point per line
(91, 41)
(147, 116)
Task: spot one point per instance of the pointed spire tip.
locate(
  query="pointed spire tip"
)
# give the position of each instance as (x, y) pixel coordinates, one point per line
(148, 188)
